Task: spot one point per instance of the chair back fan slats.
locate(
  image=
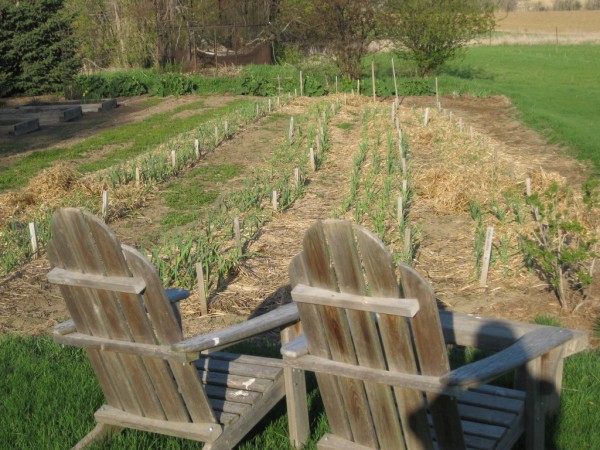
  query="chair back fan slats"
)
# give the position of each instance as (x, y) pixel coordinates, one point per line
(145, 386)
(342, 257)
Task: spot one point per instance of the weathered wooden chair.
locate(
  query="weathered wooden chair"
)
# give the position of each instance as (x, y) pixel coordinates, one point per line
(381, 357)
(152, 379)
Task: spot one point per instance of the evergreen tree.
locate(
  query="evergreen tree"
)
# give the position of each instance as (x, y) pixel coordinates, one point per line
(37, 48)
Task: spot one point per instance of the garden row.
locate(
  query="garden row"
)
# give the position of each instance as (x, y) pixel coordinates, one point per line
(127, 182)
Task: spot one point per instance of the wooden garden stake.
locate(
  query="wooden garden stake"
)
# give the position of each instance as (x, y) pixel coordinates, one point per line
(357, 87)
(336, 85)
(318, 143)
(407, 240)
(275, 201)
(197, 148)
(105, 205)
(226, 124)
(426, 118)
(295, 92)
(301, 85)
(373, 80)
(236, 232)
(297, 177)
(217, 132)
(173, 159)
(395, 82)
(278, 102)
(313, 162)
(269, 105)
(291, 131)
(201, 289)
(528, 187)
(400, 211)
(34, 239)
(137, 176)
(487, 253)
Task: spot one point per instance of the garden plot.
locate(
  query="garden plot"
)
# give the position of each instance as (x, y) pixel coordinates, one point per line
(361, 176)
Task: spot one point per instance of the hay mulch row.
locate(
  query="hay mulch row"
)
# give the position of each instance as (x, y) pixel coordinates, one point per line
(456, 171)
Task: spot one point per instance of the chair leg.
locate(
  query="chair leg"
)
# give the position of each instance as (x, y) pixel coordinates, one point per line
(100, 431)
(297, 408)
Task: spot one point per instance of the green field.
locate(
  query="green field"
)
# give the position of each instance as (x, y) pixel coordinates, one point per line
(555, 88)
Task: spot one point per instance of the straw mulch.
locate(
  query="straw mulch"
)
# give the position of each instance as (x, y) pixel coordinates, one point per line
(455, 171)
(61, 185)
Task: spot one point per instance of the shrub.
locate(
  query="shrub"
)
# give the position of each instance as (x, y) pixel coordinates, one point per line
(566, 5)
(592, 4)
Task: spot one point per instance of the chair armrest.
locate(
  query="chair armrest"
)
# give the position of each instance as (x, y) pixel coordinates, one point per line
(406, 380)
(295, 348)
(534, 344)
(468, 330)
(282, 316)
(176, 295)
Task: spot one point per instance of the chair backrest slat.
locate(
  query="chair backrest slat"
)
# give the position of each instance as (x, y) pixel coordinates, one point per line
(368, 352)
(381, 277)
(433, 357)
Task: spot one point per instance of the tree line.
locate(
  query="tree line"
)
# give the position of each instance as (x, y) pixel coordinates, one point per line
(44, 43)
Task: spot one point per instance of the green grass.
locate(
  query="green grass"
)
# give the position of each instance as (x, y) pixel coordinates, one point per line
(49, 395)
(188, 195)
(123, 143)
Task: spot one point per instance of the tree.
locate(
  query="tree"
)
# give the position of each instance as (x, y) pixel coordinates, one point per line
(344, 27)
(434, 31)
(37, 49)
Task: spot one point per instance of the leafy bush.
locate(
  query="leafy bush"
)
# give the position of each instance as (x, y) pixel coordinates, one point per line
(171, 84)
(561, 249)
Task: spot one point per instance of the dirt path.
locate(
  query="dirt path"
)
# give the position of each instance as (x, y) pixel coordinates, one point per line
(263, 281)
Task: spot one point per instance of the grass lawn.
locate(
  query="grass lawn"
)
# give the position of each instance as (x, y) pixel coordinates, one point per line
(49, 395)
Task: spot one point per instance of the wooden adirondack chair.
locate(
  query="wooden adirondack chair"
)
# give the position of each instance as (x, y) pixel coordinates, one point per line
(381, 358)
(152, 379)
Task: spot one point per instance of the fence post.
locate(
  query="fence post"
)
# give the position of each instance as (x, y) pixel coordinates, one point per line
(373, 79)
(395, 82)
